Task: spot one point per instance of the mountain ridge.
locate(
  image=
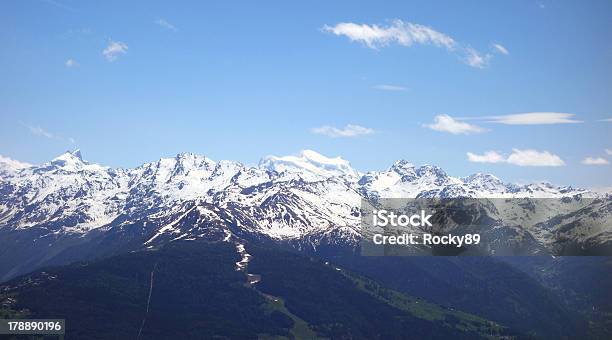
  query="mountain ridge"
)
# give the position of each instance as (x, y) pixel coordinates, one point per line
(69, 210)
(307, 200)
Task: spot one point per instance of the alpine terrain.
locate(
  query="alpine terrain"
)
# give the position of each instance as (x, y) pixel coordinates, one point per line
(282, 239)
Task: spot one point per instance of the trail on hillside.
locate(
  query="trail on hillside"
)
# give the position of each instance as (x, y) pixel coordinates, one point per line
(148, 302)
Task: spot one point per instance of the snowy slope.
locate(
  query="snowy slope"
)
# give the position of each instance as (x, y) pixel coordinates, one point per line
(310, 165)
(303, 197)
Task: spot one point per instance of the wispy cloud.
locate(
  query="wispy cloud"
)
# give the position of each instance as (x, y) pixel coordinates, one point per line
(41, 132)
(531, 118)
(407, 34)
(501, 49)
(519, 157)
(114, 49)
(595, 161)
(475, 58)
(350, 130)
(38, 131)
(606, 120)
(446, 123)
(395, 88)
(165, 24)
(609, 152)
(71, 63)
(487, 157)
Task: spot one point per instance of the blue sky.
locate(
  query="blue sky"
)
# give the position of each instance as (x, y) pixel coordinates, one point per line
(426, 81)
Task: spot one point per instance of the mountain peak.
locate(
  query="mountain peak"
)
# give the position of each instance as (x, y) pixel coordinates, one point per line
(479, 176)
(195, 159)
(401, 166)
(8, 162)
(77, 153)
(69, 156)
(9, 167)
(316, 157)
(311, 162)
(486, 182)
(431, 170)
(72, 161)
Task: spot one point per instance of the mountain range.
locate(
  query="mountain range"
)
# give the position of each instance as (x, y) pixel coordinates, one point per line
(306, 199)
(72, 211)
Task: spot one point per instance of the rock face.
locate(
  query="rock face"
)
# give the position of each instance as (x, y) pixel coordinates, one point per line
(70, 209)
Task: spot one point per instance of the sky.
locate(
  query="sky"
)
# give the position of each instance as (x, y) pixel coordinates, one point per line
(520, 89)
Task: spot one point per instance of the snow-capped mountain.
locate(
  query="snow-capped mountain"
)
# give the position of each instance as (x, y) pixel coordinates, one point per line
(9, 167)
(311, 165)
(306, 200)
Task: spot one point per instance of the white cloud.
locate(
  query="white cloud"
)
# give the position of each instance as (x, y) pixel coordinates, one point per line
(501, 49)
(606, 120)
(475, 58)
(71, 63)
(446, 123)
(385, 87)
(534, 158)
(165, 24)
(114, 49)
(609, 152)
(595, 161)
(37, 130)
(350, 130)
(407, 34)
(518, 157)
(487, 157)
(534, 118)
(41, 132)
